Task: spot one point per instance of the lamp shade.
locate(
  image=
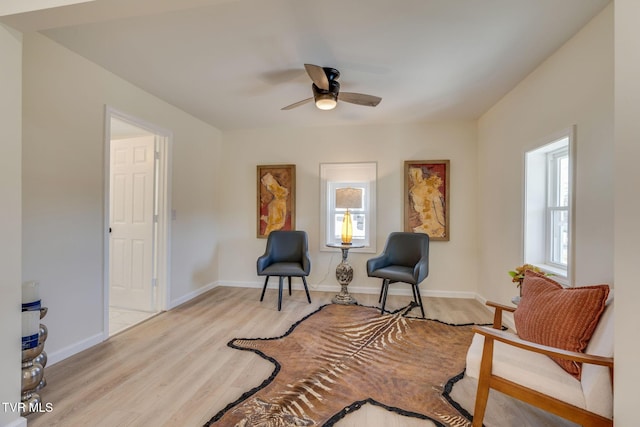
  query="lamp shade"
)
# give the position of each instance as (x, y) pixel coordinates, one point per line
(349, 198)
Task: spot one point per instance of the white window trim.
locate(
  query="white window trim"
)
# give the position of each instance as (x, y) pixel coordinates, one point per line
(348, 174)
(535, 210)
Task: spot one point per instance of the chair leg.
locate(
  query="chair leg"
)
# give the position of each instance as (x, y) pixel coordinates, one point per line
(484, 379)
(264, 288)
(385, 290)
(304, 281)
(381, 291)
(481, 405)
(280, 283)
(418, 298)
(289, 277)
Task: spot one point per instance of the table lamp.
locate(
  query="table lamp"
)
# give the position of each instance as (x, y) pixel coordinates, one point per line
(348, 198)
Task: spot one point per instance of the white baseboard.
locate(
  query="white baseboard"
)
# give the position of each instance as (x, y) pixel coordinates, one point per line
(257, 285)
(356, 289)
(482, 300)
(55, 357)
(191, 295)
(507, 318)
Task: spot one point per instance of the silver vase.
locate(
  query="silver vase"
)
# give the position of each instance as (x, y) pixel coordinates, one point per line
(31, 353)
(43, 333)
(31, 376)
(31, 401)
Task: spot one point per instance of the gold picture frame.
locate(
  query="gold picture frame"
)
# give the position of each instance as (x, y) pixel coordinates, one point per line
(276, 198)
(426, 198)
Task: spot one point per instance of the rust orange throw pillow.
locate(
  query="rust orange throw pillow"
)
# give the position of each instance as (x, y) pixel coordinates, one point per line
(559, 317)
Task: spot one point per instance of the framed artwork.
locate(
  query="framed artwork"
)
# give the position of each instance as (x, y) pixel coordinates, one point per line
(276, 198)
(426, 198)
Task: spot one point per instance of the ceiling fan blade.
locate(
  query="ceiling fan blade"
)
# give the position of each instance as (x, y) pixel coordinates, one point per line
(359, 98)
(297, 104)
(318, 76)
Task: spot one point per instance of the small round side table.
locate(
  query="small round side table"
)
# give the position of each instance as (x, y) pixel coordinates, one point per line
(344, 274)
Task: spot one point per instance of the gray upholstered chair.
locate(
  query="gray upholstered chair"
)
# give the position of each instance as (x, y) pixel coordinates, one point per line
(405, 258)
(286, 255)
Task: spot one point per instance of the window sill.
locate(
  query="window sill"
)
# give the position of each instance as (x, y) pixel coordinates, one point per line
(557, 274)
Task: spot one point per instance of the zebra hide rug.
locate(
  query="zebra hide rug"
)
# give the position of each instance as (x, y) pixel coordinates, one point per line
(343, 356)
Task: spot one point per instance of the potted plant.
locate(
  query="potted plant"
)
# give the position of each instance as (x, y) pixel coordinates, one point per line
(517, 275)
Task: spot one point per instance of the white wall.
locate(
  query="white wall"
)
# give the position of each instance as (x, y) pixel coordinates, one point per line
(627, 206)
(453, 264)
(64, 99)
(10, 208)
(572, 87)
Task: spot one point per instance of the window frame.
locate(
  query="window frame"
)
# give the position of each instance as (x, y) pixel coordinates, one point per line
(537, 206)
(339, 175)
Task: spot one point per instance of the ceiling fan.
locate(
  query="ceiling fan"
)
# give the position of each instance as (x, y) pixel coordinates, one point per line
(326, 90)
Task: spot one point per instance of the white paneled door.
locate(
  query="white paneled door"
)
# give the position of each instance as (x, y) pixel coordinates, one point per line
(132, 189)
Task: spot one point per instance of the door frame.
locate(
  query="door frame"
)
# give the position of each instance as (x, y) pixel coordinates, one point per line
(162, 241)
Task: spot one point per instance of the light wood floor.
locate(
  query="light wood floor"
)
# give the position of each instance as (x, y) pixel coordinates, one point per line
(175, 369)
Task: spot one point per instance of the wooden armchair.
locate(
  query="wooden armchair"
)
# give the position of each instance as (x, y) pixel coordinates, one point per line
(524, 370)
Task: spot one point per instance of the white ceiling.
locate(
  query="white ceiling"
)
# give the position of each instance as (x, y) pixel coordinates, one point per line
(235, 63)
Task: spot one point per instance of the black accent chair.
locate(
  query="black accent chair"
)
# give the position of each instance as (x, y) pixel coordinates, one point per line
(286, 255)
(405, 258)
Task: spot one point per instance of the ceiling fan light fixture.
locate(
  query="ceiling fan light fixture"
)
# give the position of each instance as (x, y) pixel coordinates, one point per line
(326, 101)
(326, 88)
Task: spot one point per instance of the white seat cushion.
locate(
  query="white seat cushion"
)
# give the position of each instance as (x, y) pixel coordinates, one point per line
(529, 369)
(596, 380)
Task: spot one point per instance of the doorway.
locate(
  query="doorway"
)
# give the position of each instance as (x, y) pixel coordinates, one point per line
(137, 197)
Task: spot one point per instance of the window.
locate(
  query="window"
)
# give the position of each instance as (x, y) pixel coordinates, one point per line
(361, 176)
(557, 239)
(548, 205)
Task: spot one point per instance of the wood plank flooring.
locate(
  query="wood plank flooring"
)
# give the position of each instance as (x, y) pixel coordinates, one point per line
(175, 369)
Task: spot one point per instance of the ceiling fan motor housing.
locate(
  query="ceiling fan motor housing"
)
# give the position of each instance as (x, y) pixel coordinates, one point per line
(334, 88)
(332, 73)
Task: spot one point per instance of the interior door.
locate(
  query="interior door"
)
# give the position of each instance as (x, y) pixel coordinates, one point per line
(132, 223)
